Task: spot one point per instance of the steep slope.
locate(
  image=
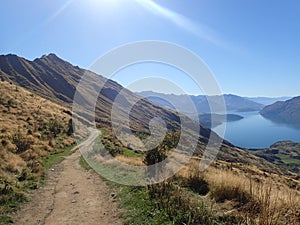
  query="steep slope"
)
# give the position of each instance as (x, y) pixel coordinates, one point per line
(284, 111)
(47, 76)
(56, 79)
(31, 130)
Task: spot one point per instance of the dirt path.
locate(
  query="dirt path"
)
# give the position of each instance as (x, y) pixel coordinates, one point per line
(71, 196)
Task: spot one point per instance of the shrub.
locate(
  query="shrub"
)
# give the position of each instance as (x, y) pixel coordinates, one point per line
(222, 193)
(70, 130)
(55, 127)
(22, 142)
(196, 183)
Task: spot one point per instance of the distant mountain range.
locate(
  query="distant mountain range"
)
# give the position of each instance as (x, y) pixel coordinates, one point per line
(201, 102)
(56, 79)
(268, 100)
(278, 110)
(284, 111)
(202, 105)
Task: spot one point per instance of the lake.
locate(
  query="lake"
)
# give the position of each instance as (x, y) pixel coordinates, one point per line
(254, 131)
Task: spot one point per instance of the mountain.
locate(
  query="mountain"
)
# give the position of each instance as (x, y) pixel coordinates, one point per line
(232, 102)
(47, 76)
(268, 101)
(33, 131)
(283, 111)
(56, 80)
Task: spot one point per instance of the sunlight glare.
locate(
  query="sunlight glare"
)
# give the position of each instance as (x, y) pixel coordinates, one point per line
(105, 3)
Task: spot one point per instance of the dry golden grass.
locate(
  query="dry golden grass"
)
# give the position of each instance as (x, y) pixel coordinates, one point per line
(135, 161)
(256, 199)
(24, 138)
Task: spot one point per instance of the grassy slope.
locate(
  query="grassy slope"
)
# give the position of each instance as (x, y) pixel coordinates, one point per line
(226, 193)
(33, 137)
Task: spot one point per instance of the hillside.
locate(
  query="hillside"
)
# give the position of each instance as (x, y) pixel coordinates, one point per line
(32, 129)
(284, 111)
(285, 154)
(233, 187)
(56, 79)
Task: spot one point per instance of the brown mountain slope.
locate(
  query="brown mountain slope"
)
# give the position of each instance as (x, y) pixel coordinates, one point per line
(46, 76)
(56, 79)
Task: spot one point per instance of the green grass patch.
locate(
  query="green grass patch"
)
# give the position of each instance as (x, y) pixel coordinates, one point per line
(57, 157)
(11, 197)
(139, 207)
(103, 131)
(131, 153)
(4, 219)
(288, 160)
(84, 164)
(13, 194)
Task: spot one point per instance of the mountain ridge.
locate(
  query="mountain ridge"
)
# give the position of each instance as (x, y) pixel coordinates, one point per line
(284, 111)
(56, 79)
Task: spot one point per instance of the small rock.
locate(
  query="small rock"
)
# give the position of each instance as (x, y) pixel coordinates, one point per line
(73, 201)
(76, 193)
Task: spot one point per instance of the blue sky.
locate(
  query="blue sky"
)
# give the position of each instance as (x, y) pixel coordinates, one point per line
(252, 46)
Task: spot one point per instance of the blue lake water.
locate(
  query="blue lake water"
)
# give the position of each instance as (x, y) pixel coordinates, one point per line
(254, 131)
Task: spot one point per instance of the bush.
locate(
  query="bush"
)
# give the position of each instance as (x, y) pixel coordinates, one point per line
(222, 193)
(197, 184)
(22, 142)
(55, 127)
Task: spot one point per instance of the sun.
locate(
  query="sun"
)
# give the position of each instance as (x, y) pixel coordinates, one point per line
(103, 7)
(105, 3)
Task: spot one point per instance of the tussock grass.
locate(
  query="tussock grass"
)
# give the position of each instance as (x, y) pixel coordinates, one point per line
(226, 193)
(135, 161)
(33, 136)
(264, 201)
